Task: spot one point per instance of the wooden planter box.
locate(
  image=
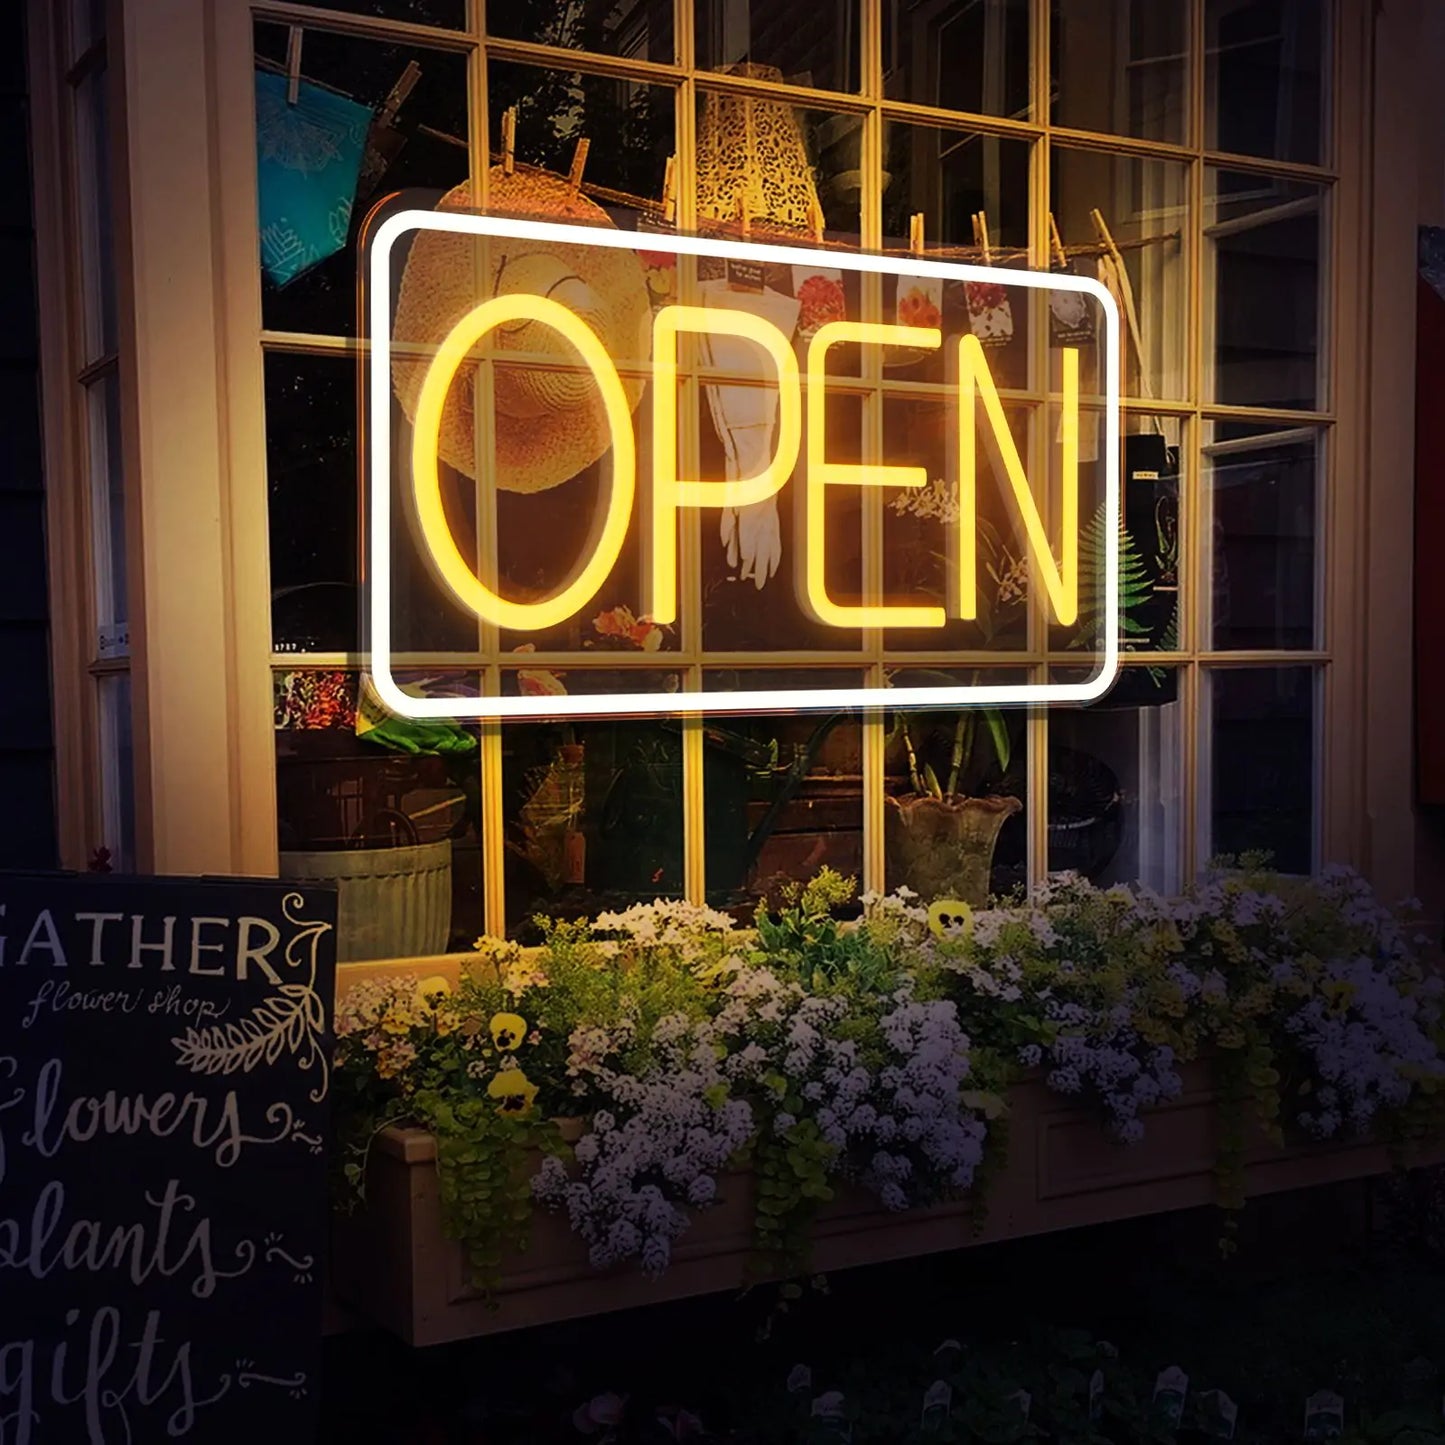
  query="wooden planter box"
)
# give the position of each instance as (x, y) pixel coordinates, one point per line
(392, 1264)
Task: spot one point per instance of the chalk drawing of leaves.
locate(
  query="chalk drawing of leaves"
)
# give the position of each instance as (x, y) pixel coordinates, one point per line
(291, 1023)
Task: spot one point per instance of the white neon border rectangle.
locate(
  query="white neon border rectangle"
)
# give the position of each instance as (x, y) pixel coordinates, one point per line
(676, 704)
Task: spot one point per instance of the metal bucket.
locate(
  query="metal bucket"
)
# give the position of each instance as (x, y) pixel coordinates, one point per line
(392, 902)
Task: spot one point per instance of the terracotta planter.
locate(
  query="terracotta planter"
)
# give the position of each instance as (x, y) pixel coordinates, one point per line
(943, 847)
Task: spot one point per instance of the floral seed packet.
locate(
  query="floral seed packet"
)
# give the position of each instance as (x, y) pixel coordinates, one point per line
(1218, 1414)
(1324, 1416)
(920, 301)
(659, 268)
(937, 1403)
(819, 293)
(1071, 318)
(1169, 1391)
(990, 313)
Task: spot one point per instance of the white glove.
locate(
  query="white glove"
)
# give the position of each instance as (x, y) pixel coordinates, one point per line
(745, 417)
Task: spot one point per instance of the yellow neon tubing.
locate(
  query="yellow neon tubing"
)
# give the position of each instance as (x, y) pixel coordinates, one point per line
(1061, 579)
(426, 484)
(821, 472)
(670, 492)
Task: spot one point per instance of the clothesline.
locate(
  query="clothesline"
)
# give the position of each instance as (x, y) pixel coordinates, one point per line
(762, 227)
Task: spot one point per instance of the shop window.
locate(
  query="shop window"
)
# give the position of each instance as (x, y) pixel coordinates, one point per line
(600, 813)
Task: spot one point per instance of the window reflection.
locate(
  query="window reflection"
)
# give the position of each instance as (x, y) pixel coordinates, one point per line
(1116, 777)
(1263, 496)
(1142, 205)
(593, 809)
(1263, 269)
(631, 29)
(815, 45)
(965, 55)
(784, 792)
(1119, 67)
(1264, 67)
(1263, 770)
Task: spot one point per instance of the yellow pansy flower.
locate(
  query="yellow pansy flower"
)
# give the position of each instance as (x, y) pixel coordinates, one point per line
(428, 990)
(514, 1091)
(508, 1031)
(946, 914)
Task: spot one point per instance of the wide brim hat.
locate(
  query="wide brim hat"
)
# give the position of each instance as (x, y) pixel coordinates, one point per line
(548, 426)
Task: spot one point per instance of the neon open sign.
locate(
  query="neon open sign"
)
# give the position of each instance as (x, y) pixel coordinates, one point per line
(647, 495)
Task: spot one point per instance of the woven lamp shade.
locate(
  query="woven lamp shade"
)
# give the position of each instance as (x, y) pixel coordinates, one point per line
(751, 159)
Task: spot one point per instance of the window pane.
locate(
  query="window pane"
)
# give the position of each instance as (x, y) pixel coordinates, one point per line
(107, 510)
(117, 764)
(1150, 557)
(1263, 255)
(1263, 769)
(969, 55)
(1119, 67)
(966, 838)
(323, 162)
(815, 45)
(386, 808)
(784, 793)
(93, 189)
(1144, 206)
(593, 810)
(630, 125)
(1263, 84)
(1263, 492)
(311, 477)
(1116, 772)
(640, 30)
(951, 174)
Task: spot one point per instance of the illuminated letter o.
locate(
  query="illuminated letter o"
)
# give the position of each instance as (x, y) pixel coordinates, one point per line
(426, 484)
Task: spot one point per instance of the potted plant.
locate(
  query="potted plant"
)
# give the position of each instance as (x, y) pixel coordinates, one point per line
(940, 833)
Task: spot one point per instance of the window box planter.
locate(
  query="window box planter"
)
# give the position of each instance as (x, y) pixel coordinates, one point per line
(392, 1264)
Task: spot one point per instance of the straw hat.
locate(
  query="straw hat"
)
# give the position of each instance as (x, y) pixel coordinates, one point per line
(550, 425)
(751, 154)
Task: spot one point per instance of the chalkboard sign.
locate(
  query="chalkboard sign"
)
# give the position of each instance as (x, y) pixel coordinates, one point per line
(164, 1064)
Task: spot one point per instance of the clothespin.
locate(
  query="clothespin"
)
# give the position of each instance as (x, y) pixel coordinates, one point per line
(915, 233)
(509, 140)
(1106, 236)
(983, 239)
(579, 163)
(745, 218)
(399, 92)
(293, 64)
(669, 190)
(1060, 255)
(815, 218)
